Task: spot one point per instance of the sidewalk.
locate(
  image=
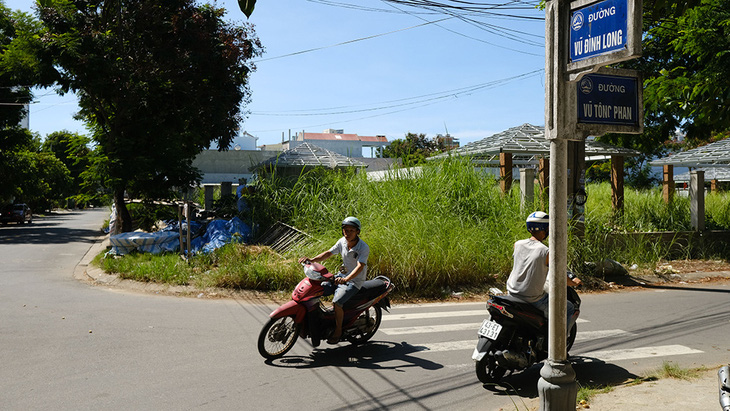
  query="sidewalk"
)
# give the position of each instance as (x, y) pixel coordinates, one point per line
(666, 394)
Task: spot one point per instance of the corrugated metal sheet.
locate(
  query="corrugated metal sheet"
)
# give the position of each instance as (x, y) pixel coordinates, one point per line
(525, 142)
(713, 154)
(308, 154)
(282, 237)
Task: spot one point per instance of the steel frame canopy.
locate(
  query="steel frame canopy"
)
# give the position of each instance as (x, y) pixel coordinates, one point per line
(711, 173)
(526, 143)
(309, 155)
(715, 154)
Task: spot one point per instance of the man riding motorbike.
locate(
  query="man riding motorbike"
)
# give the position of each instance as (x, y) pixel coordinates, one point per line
(530, 267)
(354, 254)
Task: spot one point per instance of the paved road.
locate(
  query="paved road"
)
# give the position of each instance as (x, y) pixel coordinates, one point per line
(67, 345)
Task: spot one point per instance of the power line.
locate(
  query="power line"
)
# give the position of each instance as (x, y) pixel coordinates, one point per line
(351, 41)
(419, 102)
(400, 102)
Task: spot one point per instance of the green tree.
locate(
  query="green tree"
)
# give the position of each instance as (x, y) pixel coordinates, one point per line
(414, 148)
(73, 151)
(34, 177)
(157, 83)
(686, 68)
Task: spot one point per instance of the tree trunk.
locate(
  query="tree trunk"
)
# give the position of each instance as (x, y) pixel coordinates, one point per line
(124, 220)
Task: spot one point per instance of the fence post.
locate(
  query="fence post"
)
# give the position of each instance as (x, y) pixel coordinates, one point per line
(668, 183)
(527, 187)
(697, 199)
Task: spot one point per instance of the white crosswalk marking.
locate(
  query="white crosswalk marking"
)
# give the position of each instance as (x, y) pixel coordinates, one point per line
(431, 329)
(442, 314)
(643, 352)
(461, 327)
(607, 355)
(595, 335)
(468, 345)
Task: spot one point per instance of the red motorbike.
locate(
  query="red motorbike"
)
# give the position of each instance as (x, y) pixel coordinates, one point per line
(306, 316)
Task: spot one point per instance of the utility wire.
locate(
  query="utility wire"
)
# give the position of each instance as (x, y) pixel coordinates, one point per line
(474, 38)
(452, 94)
(351, 41)
(400, 102)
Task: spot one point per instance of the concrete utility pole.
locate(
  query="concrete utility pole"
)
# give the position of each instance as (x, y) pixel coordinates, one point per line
(581, 36)
(557, 387)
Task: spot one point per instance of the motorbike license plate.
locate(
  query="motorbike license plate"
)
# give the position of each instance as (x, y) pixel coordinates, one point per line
(490, 329)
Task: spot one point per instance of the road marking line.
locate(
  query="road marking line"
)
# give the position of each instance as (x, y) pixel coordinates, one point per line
(440, 314)
(608, 355)
(422, 329)
(431, 329)
(642, 352)
(594, 335)
(446, 346)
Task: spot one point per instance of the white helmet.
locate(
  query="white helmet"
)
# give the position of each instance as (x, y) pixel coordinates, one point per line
(538, 221)
(351, 221)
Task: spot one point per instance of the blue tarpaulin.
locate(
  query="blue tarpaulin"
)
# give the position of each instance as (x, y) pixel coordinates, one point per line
(221, 232)
(217, 234)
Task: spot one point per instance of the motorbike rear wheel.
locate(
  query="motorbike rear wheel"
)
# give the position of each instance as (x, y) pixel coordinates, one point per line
(487, 369)
(278, 337)
(371, 317)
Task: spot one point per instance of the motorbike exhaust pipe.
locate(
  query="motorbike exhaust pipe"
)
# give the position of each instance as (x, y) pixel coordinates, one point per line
(724, 380)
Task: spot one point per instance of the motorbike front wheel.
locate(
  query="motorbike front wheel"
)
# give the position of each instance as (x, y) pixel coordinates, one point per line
(278, 337)
(487, 369)
(367, 325)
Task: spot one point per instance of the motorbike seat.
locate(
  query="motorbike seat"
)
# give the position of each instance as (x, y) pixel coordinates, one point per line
(522, 305)
(369, 290)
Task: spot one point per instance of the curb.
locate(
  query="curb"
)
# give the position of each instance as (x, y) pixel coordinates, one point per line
(83, 270)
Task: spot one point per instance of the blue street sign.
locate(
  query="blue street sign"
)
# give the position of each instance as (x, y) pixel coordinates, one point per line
(598, 29)
(607, 99)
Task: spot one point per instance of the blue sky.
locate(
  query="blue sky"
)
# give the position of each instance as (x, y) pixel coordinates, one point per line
(408, 74)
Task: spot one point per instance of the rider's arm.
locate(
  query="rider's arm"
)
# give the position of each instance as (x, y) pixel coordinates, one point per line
(354, 273)
(573, 280)
(321, 257)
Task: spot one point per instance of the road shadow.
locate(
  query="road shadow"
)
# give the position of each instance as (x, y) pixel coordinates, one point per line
(376, 355)
(589, 372)
(47, 229)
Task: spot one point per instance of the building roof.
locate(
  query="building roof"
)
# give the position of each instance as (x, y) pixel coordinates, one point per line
(526, 142)
(307, 154)
(711, 173)
(710, 155)
(342, 137)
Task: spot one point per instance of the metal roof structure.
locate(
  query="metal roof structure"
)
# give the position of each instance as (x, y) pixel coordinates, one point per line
(711, 173)
(715, 154)
(526, 143)
(308, 154)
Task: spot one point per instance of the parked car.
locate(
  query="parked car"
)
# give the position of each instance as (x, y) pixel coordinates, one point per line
(18, 213)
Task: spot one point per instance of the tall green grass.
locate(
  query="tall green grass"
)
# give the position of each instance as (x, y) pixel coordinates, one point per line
(447, 227)
(644, 210)
(450, 225)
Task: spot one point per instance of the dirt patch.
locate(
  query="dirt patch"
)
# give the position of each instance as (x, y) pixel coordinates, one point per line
(696, 266)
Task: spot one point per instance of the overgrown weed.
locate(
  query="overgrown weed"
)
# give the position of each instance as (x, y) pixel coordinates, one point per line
(445, 228)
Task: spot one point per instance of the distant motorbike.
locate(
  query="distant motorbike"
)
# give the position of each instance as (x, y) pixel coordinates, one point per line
(306, 316)
(515, 336)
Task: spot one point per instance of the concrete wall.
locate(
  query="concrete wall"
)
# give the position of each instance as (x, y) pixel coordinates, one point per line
(228, 166)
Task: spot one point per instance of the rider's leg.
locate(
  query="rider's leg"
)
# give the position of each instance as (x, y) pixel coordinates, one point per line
(571, 311)
(343, 293)
(339, 315)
